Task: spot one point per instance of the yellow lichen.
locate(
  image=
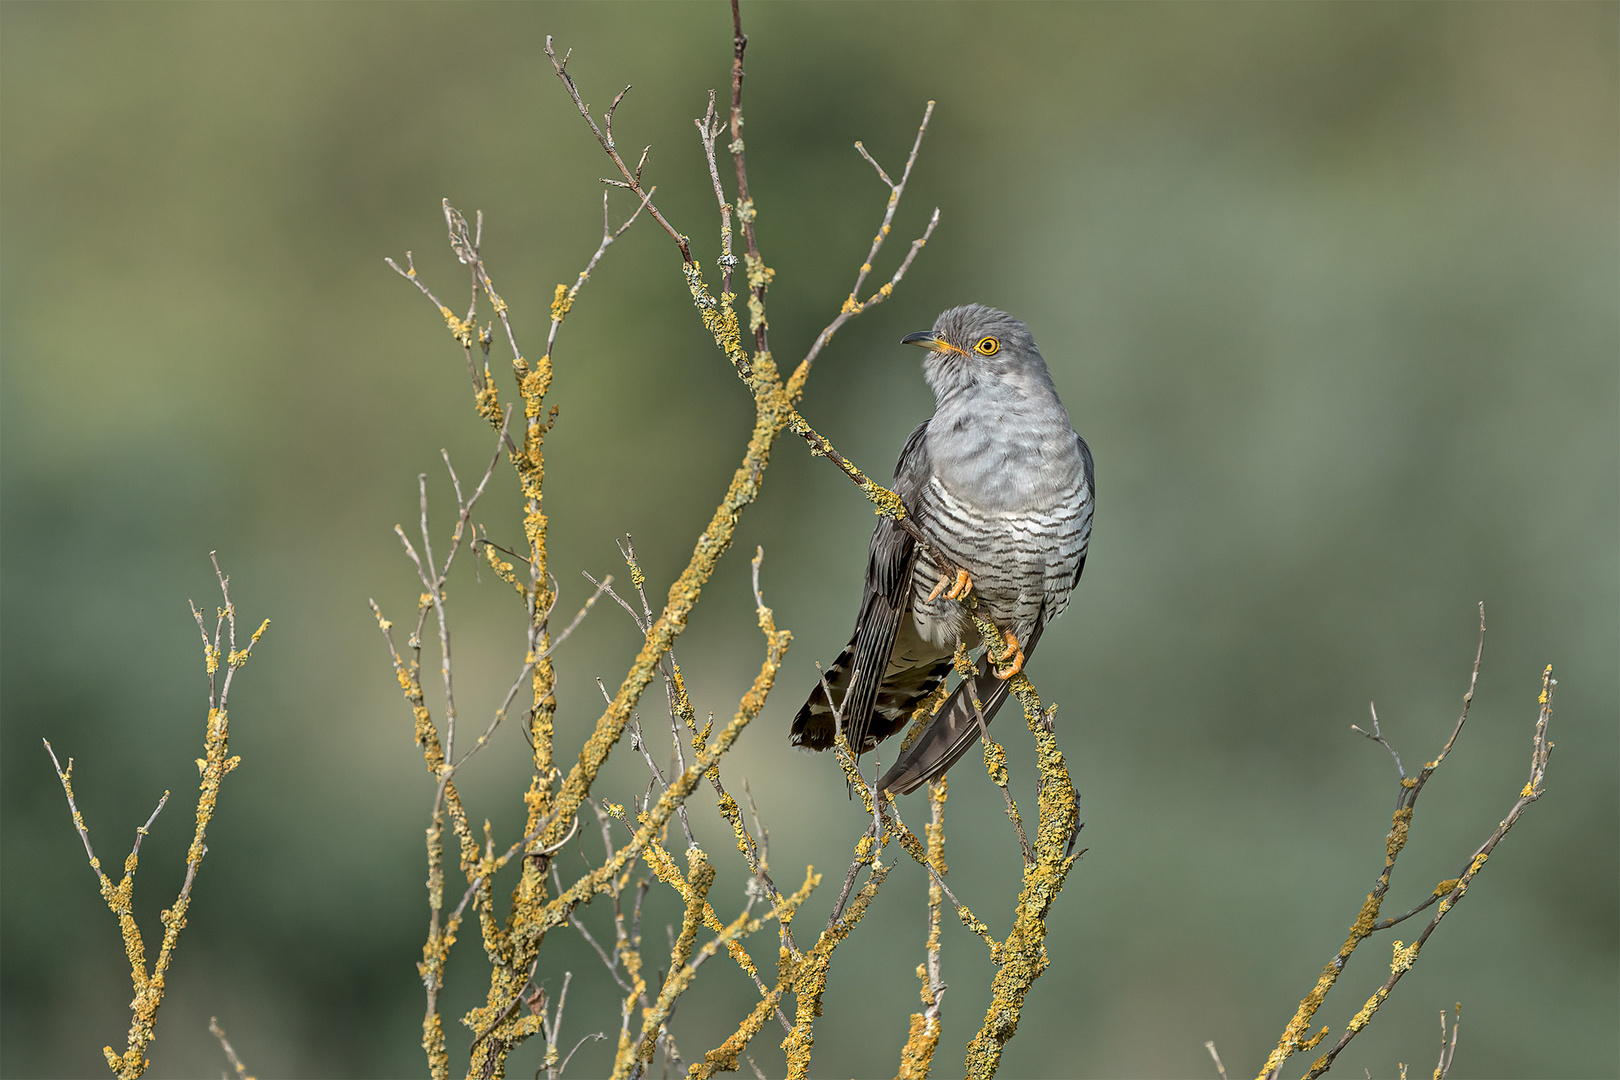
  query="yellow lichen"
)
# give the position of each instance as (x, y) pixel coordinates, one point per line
(561, 303)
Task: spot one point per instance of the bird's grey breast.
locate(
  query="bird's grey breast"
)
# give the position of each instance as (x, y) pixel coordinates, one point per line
(1007, 450)
(1007, 498)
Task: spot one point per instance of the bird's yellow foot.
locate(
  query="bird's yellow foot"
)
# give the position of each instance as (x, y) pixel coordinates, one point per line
(1014, 657)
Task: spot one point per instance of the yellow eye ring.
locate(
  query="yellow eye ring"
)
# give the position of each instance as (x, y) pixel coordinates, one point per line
(987, 346)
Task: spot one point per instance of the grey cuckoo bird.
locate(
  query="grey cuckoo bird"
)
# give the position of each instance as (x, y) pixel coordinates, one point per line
(1001, 485)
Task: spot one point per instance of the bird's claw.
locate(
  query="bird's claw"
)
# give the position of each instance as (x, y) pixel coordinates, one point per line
(1014, 658)
(958, 590)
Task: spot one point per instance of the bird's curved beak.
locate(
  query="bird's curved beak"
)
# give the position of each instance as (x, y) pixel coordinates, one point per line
(927, 339)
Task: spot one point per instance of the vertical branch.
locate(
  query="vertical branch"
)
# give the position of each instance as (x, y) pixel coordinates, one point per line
(1024, 952)
(556, 796)
(923, 1039)
(759, 275)
(533, 381)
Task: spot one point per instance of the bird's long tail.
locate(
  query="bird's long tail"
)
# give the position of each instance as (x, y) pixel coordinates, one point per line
(815, 727)
(891, 702)
(954, 728)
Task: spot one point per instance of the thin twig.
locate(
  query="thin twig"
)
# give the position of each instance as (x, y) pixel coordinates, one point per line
(1448, 1051)
(1377, 736)
(225, 1044)
(758, 276)
(910, 845)
(609, 234)
(1406, 957)
(608, 961)
(632, 180)
(140, 833)
(463, 329)
(583, 1039)
(66, 777)
(853, 305)
(466, 507)
(995, 756)
(709, 128)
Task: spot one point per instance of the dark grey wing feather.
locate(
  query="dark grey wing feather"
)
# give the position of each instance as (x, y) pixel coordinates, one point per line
(856, 676)
(953, 729)
(1091, 502)
(886, 601)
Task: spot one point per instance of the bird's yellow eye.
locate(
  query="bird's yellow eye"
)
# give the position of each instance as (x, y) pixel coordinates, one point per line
(987, 346)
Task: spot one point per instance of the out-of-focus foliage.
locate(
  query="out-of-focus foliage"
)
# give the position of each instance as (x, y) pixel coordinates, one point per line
(1330, 289)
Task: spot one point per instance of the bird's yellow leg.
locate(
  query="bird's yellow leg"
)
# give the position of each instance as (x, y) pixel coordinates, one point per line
(1013, 657)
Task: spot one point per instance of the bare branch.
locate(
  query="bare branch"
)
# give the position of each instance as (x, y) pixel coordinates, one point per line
(1448, 1051)
(1447, 894)
(148, 982)
(1406, 957)
(66, 777)
(632, 180)
(1377, 736)
(854, 306)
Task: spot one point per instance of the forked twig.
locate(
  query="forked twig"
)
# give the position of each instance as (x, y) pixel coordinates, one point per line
(1447, 893)
(149, 981)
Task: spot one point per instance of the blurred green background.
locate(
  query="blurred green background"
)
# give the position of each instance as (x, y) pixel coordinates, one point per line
(1330, 289)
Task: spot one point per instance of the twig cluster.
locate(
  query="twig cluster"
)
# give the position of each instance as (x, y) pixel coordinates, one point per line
(1444, 897)
(517, 1004)
(217, 761)
(542, 899)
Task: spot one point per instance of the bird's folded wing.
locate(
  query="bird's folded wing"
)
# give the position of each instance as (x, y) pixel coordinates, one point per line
(885, 601)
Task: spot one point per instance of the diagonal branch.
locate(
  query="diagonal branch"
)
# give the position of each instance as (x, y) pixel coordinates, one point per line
(632, 180)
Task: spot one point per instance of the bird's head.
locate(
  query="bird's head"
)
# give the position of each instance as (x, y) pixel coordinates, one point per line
(974, 344)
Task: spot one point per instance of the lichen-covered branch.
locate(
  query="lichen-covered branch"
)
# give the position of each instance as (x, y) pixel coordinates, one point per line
(1447, 893)
(560, 790)
(1405, 956)
(923, 1038)
(1023, 953)
(217, 761)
